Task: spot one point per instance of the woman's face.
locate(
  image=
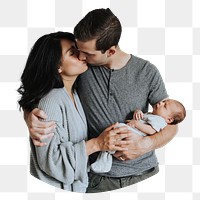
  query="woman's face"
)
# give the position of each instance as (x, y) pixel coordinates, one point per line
(70, 64)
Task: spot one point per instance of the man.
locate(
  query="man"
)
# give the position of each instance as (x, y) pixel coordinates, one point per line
(114, 86)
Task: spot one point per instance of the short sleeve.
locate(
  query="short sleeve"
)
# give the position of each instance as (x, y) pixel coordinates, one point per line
(157, 122)
(157, 90)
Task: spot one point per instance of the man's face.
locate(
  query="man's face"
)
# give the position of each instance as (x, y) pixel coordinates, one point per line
(89, 53)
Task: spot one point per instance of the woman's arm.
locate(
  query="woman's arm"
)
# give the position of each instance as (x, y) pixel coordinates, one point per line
(61, 158)
(110, 139)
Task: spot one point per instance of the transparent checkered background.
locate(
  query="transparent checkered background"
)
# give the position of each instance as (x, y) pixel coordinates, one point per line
(166, 32)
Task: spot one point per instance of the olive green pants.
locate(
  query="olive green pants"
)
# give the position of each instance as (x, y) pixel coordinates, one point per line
(98, 183)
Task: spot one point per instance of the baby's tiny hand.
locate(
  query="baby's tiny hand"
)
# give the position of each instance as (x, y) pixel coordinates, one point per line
(131, 123)
(138, 114)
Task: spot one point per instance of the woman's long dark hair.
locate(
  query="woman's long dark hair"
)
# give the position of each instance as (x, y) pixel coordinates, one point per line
(40, 74)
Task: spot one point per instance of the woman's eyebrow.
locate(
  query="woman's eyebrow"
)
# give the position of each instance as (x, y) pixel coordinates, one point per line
(72, 47)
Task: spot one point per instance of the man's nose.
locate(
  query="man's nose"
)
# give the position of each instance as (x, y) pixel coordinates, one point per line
(82, 56)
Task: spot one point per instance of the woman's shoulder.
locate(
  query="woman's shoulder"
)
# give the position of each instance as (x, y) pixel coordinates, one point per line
(55, 91)
(54, 95)
(51, 104)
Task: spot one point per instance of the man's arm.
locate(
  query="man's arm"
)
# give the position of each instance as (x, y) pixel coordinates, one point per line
(39, 130)
(140, 145)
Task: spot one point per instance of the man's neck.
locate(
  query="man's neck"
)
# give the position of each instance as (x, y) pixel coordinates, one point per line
(119, 60)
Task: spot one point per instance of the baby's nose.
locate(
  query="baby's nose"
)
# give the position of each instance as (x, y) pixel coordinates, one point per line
(159, 103)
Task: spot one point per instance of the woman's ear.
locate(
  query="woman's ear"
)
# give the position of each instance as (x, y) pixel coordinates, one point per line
(59, 70)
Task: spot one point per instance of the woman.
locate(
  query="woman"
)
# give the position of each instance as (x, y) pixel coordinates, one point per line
(48, 82)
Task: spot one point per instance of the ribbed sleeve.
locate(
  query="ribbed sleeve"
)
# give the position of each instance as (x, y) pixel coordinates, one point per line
(64, 157)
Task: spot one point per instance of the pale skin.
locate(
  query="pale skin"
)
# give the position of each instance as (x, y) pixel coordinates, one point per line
(133, 145)
(163, 108)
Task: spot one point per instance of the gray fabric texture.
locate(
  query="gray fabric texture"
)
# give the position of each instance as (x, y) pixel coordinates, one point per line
(63, 162)
(99, 183)
(157, 122)
(110, 96)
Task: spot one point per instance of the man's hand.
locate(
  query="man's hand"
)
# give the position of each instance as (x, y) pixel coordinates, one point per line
(137, 146)
(39, 130)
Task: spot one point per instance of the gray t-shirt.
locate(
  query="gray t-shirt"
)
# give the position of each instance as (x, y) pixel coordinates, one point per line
(110, 96)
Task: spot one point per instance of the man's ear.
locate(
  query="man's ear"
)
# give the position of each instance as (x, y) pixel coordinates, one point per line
(111, 51)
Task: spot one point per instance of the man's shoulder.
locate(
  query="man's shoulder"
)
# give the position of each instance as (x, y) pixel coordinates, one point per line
(140, 67)
(141, 63)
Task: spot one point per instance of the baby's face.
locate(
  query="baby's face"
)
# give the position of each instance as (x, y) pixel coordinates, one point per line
(165, 109)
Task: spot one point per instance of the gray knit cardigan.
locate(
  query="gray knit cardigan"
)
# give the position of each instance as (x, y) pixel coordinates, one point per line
(63, 161)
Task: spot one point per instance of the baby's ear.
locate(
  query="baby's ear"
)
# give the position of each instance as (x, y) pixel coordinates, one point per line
(170, 120)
